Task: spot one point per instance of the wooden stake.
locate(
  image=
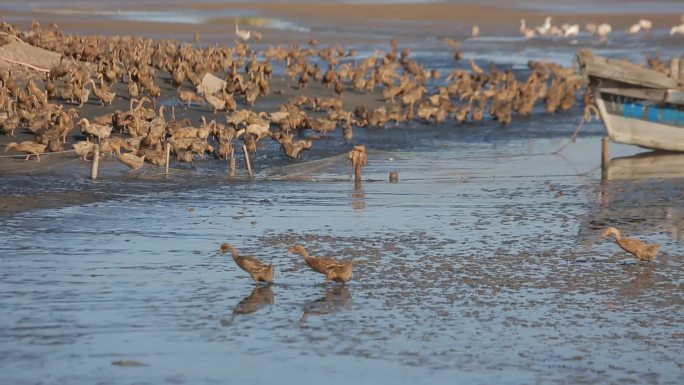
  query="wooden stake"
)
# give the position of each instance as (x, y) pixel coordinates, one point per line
(231, 166)
(249, 165)
(674, 67)
(168, 156)
(96, 162)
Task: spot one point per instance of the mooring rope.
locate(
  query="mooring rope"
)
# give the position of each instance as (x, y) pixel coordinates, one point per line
(43, 154)
(31, 66)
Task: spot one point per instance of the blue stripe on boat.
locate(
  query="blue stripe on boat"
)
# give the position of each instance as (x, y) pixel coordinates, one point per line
(662, 115)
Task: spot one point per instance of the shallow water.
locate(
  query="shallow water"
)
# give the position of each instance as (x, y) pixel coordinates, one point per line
(482, 265)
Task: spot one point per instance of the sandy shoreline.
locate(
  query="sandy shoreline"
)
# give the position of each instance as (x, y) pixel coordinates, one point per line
(217, 18)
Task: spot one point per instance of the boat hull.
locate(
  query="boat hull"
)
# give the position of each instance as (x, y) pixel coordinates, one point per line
(638, 106)
(639, 122)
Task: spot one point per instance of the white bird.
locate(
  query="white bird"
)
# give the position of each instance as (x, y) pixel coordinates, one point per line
(603, 30)
(527, 32)
(677, 29)
(244, 35)
(544, 29)
(634, 29)
(570, 30)
(645, 24)
(476, 31)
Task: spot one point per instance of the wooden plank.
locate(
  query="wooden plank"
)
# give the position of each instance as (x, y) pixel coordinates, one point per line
(674, 97)
(656, 95)
(624, 71)
(631, 74)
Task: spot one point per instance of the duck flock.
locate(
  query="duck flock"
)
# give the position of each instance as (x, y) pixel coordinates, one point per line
(99, 70)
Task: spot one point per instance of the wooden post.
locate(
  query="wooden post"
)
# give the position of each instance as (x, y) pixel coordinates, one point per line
(231, 166)
(681, 68)
(605, 158)
(96, 162)
(168, 156)
(249, 165)
(357, 172)
(675, 65)
(393, 177)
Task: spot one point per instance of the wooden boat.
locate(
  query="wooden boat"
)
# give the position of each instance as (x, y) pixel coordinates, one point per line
(638, 105)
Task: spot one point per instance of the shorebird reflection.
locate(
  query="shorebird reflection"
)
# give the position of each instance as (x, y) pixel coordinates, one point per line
(336, 298)
(257, 299)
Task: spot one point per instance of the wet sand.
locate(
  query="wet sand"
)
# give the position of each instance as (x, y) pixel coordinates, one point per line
(467, 272)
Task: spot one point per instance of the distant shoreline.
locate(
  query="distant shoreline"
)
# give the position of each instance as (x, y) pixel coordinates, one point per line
(173, 19)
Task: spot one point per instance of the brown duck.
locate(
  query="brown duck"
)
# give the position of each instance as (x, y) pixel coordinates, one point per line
(130, 160)
(256, 269)
(27, 147)
(640, 249)
(332, 269)
(357, 157)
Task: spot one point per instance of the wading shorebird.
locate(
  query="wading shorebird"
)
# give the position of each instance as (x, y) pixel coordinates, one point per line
(332, 269)
(640, 249)
(603, 30)
(256, 269)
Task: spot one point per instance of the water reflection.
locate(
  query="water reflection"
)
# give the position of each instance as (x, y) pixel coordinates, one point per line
(642, 282)
(675, 219)
(646, 165)
(641, 195)
(358, 197)
(257, 299)
(336, 298)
